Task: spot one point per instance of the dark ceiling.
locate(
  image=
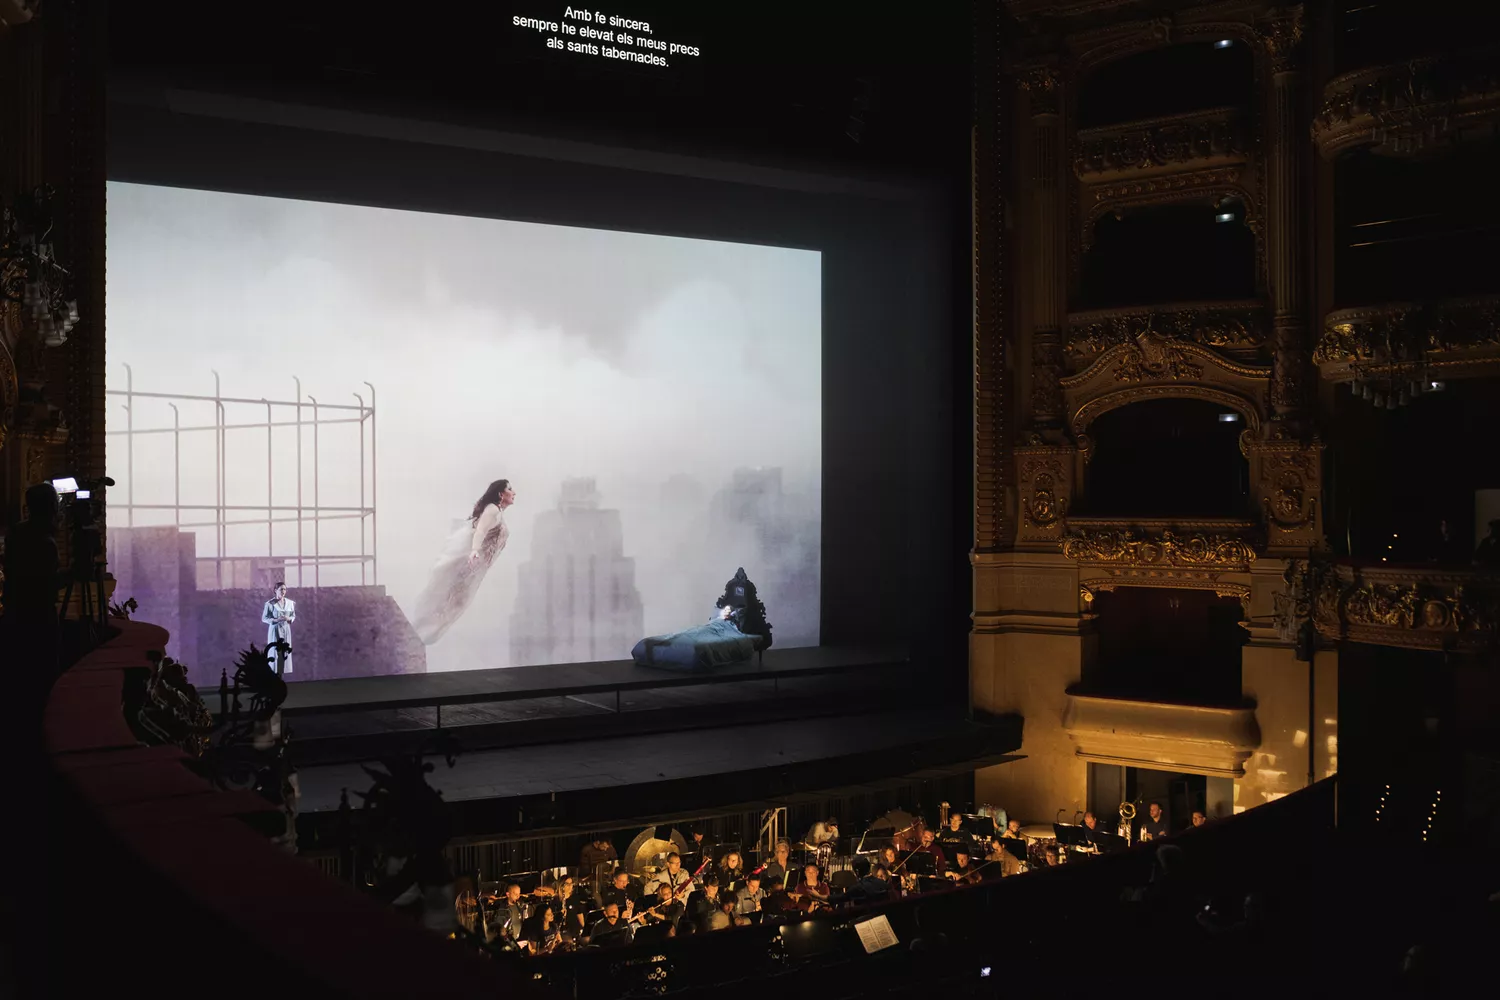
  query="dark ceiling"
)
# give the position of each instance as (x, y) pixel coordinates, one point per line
(776, 78)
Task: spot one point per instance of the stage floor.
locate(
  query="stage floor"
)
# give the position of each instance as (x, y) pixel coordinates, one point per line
(947, 741)
(461, 687)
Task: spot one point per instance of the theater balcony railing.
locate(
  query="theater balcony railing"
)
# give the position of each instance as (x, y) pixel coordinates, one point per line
(1196, 553)
(1191, 739)
(1148, 152)
(1408, 341)
(1411, 107)
(1410, 607)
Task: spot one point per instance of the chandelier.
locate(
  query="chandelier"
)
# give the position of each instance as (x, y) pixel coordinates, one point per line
(1393, 385)
(30, 275)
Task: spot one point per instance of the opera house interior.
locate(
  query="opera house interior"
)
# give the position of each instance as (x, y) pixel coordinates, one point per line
(1095, 458)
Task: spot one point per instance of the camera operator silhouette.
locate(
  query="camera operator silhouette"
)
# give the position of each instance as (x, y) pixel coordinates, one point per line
(32, 580)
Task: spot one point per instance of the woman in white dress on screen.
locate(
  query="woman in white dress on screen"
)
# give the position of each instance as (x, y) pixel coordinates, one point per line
(465, 560)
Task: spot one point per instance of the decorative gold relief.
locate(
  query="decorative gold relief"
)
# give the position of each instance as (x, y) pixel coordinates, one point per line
(1410, 608)
(1288, 481)
(1281, 34)
(1046, 479)
(1234, 327)
(1407, 107)
(1372, 339)
(1042, 84)
(1154, 358)
(1219, 182)
(1132, 547)
(1161, 145)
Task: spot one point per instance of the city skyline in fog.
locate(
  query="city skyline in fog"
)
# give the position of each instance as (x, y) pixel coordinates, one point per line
(497, 350)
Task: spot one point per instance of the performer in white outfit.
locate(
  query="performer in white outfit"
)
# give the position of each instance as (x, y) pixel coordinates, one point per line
(465, 560)
(278, 615)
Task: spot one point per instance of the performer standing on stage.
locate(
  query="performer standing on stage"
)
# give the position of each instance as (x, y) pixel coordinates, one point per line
(278, 614)
(464, 562)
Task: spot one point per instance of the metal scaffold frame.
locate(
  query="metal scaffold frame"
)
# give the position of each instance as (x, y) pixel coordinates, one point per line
(221, 510)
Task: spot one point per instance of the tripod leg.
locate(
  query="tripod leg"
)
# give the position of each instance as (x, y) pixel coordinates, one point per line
(62, 615)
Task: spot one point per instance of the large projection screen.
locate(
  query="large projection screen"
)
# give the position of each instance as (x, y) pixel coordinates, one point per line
(322, 394)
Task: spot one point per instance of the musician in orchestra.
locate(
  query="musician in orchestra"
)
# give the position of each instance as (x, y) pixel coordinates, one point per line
(1091, 826)
(595, 856)
(750, 898)
(672, 876)
(617, 892)
(700, 845)
(514, 914)
(661, 918)
(1051, 854)
(1155, 826)
(613, 930)
(541, 933)
(730, 904)
(732, 872)
(1199, 817)
(963, 869)
(954, 837)
(778, 873)
(929, 846)
(878, 886)
(823, 831)
(1013, 830)
(888, 857)
(813, 890)
(566, 913)
(703, 904)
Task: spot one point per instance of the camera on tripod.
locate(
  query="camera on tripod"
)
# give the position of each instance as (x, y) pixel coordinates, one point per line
(81, 506)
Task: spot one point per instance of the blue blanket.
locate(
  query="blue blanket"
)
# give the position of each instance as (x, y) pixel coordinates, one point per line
(699, 647)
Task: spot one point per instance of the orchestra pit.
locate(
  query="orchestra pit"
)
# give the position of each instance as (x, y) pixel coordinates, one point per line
(793, 501)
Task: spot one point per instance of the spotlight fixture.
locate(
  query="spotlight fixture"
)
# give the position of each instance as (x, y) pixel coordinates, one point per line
(1223, 43)
(1224, 217)
(1229, 418)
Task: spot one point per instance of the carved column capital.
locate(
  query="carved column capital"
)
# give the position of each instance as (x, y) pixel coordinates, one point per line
(1043, 84)
(1281, 34)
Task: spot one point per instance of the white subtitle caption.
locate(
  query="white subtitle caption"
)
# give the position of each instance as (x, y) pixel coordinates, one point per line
(607, 36)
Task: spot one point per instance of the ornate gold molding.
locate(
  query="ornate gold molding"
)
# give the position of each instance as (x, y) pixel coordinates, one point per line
(1045, 477)
(1182, 548)
(1187, 738)
(1407, 607)
(1235, 328)
(1218, 182)
(1188, 142)
(1288, 486)
(1156, 367)
(1281, 36)
(1405, 107)
(1371, 339)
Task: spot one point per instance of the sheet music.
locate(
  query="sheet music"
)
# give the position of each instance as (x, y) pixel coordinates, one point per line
(876, 934)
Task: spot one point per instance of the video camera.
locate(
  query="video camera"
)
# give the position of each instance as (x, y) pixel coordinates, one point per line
(81, 504)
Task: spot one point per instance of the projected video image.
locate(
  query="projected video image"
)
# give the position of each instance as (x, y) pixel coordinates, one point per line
(452, 443)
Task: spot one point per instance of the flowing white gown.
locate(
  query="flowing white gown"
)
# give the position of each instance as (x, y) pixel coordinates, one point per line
(456, 576)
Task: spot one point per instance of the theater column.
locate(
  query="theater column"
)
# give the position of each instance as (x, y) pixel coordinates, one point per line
(1047, 263)
(1281, 35)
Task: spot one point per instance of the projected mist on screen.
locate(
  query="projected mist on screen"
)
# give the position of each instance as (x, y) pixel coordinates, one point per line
(653, 404)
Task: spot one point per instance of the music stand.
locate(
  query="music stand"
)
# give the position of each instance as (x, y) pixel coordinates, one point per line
(1109, 843)
(921, 863)
(1015, 848)
(981, 828)
(1070, 836)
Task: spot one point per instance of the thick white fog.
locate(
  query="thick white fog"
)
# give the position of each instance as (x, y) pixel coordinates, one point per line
(682, 376)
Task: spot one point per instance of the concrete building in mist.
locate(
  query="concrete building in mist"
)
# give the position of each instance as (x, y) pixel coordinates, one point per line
(576, 598)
